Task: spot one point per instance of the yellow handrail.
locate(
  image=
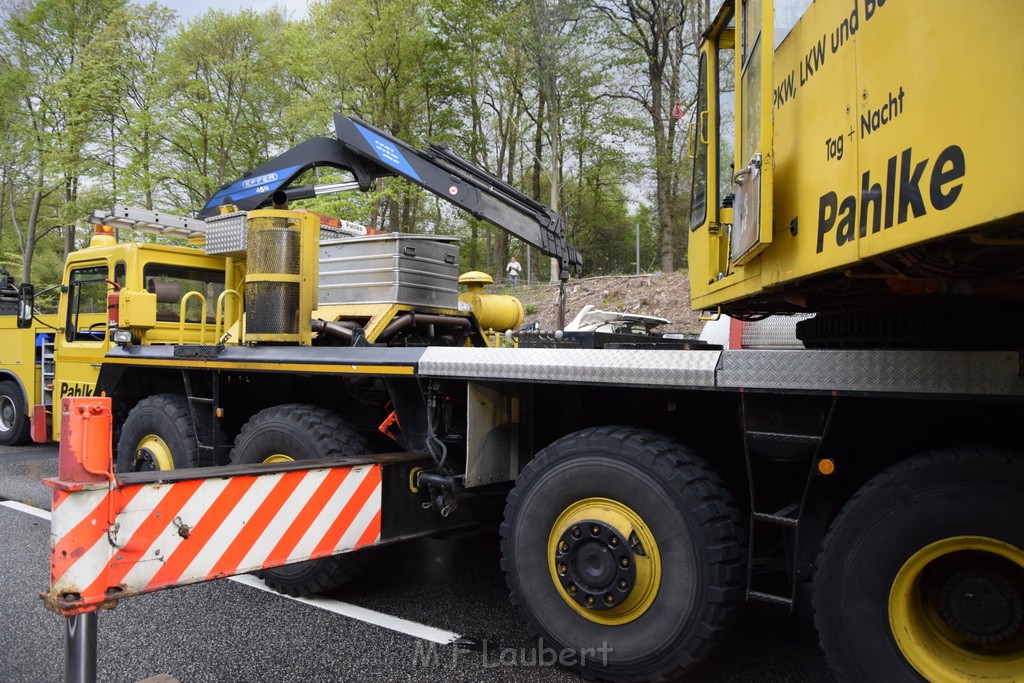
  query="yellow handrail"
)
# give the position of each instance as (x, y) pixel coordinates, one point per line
(202, 317)
(220, 311)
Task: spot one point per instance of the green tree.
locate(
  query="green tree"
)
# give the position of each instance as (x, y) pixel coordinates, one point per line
(553, 27)
(133, 105)
(51, 44)
(220, 79)
(606, 229)
(391, 71)
(649, 40)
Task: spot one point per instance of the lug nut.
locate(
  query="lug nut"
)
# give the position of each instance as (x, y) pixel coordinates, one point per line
(595, 530)
(576, 533)
(609, 599)
(562, 546)
(624, 562)
(590, 601)
(623, 584)
(562, 569)
(614, 541)
(573, 589)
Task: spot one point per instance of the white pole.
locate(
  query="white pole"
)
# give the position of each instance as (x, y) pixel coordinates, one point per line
(638, 247)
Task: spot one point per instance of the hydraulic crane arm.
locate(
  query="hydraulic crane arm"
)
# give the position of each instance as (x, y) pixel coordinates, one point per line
(368, 152)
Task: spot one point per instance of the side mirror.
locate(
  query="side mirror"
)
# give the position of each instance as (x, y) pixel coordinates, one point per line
(26, 304)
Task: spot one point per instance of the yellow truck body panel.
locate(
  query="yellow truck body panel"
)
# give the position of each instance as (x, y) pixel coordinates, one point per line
(894, 125)
(21, 354)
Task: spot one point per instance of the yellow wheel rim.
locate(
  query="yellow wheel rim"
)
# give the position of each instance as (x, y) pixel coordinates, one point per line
(159, 450)
(604, 561)
(956, 612)
(277, 457)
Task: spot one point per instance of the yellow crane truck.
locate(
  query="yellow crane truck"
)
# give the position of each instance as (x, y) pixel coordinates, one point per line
(855, 163)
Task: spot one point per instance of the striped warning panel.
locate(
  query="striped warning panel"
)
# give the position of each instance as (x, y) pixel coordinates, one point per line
(141, 538)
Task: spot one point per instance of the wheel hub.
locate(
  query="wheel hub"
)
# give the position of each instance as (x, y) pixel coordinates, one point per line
(957, 605)
(604, 561)
(7, 413)
(152, 454)
(596, 564)
(982, 606)
(143, 461)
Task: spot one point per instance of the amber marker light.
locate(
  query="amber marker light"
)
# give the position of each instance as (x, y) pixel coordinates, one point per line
(102, 236)
(826, 466)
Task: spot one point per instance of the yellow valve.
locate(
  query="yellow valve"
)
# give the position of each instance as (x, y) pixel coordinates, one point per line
(493, 311)
(475, 280)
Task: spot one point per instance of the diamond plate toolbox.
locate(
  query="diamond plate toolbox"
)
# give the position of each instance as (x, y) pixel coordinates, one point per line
(226, 235)
(396, 268)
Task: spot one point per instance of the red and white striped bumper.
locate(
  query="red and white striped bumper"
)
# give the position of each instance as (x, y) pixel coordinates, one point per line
(144, 537)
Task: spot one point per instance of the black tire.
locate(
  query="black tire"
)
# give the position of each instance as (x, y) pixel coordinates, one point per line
(681, 514)
(14, 423)
(921, 575)
(158, 434)
(302, 432)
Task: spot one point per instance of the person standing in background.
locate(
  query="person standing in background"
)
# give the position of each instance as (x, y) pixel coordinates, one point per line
(512, 270)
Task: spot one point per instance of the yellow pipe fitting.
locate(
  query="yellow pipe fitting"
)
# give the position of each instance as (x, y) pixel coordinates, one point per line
(497, 312)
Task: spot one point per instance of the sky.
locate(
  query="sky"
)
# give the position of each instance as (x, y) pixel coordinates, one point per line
(187, 9)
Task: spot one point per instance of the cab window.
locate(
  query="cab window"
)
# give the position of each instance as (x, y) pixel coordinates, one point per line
(87, 304)
(171, 284)
(120, 271)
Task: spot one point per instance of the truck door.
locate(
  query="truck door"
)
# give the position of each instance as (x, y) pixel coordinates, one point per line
(731, 148)
(752, 180)
(83, 340)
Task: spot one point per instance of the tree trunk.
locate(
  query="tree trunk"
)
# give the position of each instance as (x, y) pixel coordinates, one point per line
(70, 197)
(554, 148)
(538, 149)
(30, 229)
(666, 222)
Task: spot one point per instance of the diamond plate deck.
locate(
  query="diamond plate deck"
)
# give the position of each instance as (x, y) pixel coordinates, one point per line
(995, 373)
(980, 373)
(575, 366)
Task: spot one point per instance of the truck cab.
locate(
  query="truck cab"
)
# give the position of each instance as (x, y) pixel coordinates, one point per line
(162, 294)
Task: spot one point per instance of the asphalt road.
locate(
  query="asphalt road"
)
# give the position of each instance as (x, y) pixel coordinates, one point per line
(395, 623)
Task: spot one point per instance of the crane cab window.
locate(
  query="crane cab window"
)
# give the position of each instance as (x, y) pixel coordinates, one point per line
(698, 197)
(87, 304)
(172, 284)
(787, 13)
(715, 125)
(751, 124)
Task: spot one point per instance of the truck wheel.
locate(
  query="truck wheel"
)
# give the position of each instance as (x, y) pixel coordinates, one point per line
(623, 552)
(158, 435)
(14, 422)
(302, 432)
(922, 573)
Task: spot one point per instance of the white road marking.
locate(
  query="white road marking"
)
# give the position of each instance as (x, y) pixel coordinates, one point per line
(369, 616)
(409, 628)
(27, 509)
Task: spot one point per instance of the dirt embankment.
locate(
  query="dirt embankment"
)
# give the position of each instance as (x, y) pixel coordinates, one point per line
(664, 295)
